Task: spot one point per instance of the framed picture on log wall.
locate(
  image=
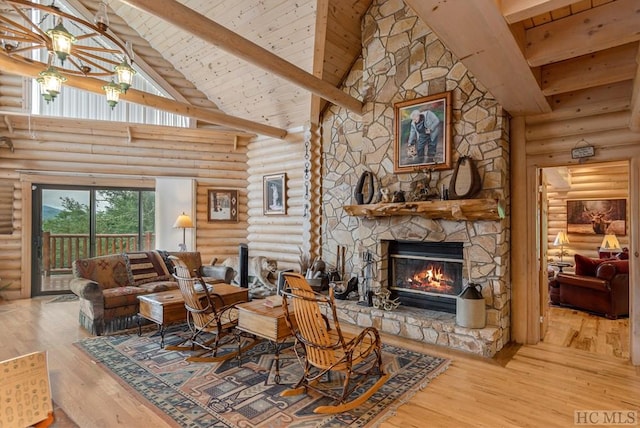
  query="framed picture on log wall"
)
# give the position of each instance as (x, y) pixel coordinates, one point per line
(222, 205)
(597, 217)
(274, 194)
(423, 133)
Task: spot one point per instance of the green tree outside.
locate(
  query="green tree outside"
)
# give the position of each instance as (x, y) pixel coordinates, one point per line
(116, 213)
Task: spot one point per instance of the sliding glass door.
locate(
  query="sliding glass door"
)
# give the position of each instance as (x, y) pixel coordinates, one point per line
(71, 223)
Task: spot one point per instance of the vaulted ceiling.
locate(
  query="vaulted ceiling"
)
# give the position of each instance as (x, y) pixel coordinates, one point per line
(261, 61)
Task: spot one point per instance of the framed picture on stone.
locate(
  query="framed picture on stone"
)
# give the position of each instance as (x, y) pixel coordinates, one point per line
(423, 133)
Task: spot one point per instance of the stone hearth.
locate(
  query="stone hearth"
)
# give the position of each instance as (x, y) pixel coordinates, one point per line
(423, 325)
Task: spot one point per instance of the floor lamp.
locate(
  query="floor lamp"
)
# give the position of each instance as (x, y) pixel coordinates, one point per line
(183, 222)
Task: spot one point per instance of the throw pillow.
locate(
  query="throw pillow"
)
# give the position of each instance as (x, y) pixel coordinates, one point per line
(586, 266)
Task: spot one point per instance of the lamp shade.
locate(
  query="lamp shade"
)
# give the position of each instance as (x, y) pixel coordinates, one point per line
(183, 221)
(61, 40)
(113, 93)
(561, 238)
(610, 243)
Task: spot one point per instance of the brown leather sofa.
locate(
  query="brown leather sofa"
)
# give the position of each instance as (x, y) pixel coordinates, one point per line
(599, 286)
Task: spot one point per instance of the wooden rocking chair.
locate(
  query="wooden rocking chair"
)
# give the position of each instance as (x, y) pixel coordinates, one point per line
(206, 313)
(358, 359)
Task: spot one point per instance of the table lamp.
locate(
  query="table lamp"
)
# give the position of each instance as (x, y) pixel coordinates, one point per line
(561, 239)
(610, 244)
(183, 222)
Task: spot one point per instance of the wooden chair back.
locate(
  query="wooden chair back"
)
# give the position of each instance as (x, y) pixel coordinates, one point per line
(200, 309)
(311, 327)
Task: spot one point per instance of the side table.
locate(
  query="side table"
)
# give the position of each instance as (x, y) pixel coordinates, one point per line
(268, 323)
(561, 265)
(167, 307)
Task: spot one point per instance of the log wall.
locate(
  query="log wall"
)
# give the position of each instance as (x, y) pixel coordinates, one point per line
(547, 142)
(12, 93)
(84, 152)
(279, 237)
(593, 182)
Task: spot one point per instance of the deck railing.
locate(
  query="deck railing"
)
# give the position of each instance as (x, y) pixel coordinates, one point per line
(59, 250)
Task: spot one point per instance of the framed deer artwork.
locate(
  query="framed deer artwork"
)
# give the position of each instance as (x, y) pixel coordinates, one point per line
(597, 217)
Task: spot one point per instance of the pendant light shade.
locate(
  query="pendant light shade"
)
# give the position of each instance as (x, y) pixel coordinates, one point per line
(113, 93)
(102, 17)
(125, 75)
(50, 81)
(61, 41)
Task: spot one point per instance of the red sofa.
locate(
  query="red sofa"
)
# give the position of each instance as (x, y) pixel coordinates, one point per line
(599, 286)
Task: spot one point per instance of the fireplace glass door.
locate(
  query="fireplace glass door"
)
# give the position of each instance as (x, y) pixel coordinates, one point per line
(426, 274)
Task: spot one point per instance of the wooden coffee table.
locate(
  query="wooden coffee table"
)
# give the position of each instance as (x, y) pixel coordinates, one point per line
(268, 323)
(167, 307)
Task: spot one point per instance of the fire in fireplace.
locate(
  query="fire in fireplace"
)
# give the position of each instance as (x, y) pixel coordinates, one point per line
(426, 274)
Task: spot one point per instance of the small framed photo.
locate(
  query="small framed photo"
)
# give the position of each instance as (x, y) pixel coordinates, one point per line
(222, 205)
(274, 194)
(423, 133)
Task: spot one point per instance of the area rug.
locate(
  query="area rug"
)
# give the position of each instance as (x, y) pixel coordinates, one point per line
(232, 393)
(64, 298)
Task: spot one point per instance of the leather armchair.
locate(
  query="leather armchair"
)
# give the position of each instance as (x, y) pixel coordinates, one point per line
(605, 293)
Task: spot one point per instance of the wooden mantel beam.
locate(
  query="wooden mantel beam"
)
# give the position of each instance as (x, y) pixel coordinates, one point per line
(214, 33)
(32, 68)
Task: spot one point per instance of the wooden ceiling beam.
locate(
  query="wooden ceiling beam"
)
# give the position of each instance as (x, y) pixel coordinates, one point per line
(487, 48)
(519, 10)
(32, 68)
(214, 33)
(596, 69)
(319, 51)
(603, 27)
(588, 102)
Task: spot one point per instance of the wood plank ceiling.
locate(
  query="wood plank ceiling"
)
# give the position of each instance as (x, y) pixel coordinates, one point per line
(537, 57)
(238, 87)
(548, 58)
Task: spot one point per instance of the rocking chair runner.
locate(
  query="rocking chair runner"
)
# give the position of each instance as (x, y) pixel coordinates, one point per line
(358, 359)
(205, 314)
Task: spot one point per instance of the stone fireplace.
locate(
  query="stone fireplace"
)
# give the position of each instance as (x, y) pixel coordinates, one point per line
(425, 275)
(402, 59)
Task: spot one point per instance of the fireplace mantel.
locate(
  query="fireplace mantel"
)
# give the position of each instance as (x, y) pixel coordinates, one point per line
(459, 209)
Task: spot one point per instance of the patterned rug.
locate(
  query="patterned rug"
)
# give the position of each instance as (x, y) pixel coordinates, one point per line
(232, 394)
(64, 298)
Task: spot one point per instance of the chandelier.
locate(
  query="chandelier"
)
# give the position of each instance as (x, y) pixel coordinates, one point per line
(29, 30)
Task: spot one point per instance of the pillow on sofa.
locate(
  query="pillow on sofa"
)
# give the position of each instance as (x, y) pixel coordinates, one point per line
(586, 266)
(146, 267)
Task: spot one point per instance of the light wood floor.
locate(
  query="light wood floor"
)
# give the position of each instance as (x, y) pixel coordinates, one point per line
(528, 386)
(580, 330)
